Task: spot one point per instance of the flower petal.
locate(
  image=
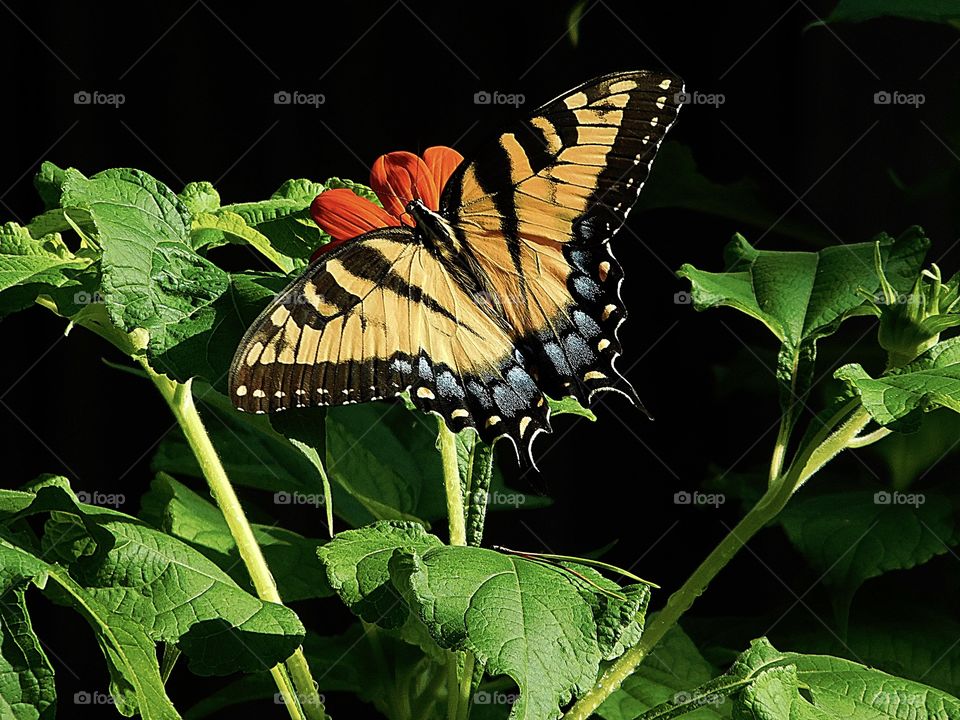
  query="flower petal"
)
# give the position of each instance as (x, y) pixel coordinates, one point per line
(399, 177)
(343, 215)
(442, 161)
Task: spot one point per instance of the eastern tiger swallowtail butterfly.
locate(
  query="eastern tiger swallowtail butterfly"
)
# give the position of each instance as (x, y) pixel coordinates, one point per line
(505, 292)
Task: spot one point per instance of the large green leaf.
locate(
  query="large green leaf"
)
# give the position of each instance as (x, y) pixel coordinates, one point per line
(151, 277)
(790, 686)
(292, 558)
(900, 398)
(804, 296)
(542, 626)
(216, 228)
(674, 667)
(849, 537)
(135, 682)
(172, 592)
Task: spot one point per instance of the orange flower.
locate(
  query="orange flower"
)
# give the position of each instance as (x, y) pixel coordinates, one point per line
(396, 178)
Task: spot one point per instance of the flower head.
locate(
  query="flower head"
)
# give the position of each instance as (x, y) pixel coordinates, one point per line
(910, 324)
(396, 178)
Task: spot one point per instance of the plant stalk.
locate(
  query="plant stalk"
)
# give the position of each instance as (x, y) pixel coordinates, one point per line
(459, 685)
(180, 399)
(824, 447)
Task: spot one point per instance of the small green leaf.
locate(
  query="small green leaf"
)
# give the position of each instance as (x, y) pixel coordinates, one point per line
(30, 267)
(570, 406)
(899, 399)
(299, 189)
(49, 184)
(358, 189)
(27, 690)
(941, 11)
(357, 565)
(200, 197)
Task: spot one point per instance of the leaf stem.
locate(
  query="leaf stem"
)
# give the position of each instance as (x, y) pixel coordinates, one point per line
(180, 399)
(459, 685)
(824, 446)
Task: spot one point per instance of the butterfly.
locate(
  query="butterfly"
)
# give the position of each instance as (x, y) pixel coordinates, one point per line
(481, 308)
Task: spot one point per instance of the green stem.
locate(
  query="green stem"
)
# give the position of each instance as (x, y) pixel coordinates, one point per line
(481, 475)
(180, 399)
(870, 438)
(456, 517)
(458, 685)
(824, 446)
(780, 449)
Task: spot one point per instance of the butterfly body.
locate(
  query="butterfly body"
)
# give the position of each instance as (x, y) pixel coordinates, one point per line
(502, 293)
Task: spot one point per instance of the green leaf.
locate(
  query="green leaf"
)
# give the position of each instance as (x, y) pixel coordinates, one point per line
(172, 592)
(174, 508)
(49, 184)
(299, 189)
(285, 222)
(676, 182)
(30, 267)
(907, 457)
(135, 682)
(804, 296)
(27, 690)
(791, 686)
(672, 669)
(357, 566)
(570, 406)
(941, 11)
(900, 398)
(223, 226)
(151, 278)
(358, 189)
(200, 197)
(537, 623)
(850, 537)
(207, 350)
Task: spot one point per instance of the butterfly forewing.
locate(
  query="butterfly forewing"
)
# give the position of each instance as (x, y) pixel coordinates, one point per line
(378, 316)
(538, 207)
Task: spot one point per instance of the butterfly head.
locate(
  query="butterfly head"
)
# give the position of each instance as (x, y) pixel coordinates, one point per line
(436, 229)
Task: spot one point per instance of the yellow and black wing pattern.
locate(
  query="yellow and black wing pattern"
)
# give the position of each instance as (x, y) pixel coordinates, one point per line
(523, 302)
(374, 317)
(537, 208)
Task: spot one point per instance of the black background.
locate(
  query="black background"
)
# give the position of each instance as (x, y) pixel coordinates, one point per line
(199, 80)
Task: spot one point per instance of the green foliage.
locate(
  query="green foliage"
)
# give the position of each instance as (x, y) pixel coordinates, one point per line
(929, 10)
